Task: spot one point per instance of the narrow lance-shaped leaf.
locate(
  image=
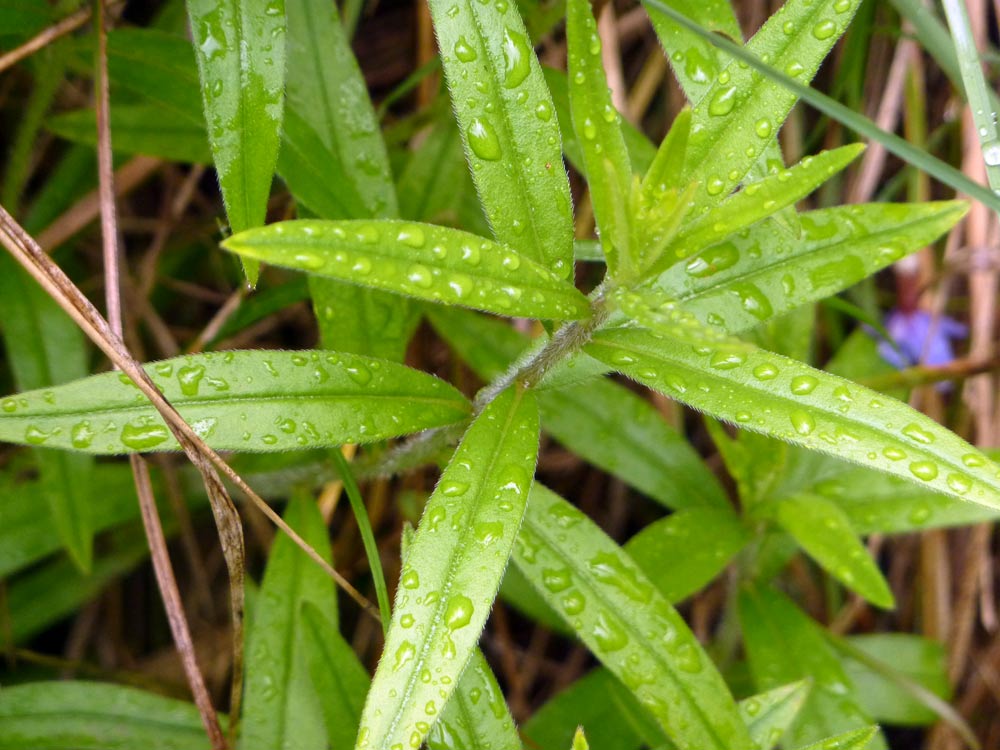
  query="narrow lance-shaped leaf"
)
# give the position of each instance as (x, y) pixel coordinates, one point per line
(759, 200)
(627, 624)
(77, 714)
(511, 135)
(781, 397)
(740, 114)
(337, 676)
(476, 716)
(784, 644)
(859, 739)
(738, 283)
(281, 709)
(695, 62)
(768, 715)
(452, 572)
(45, 348)
(241, 400)
(596, 122)
(334, 160)
(824, 532)
(240, 48)
(429, 262)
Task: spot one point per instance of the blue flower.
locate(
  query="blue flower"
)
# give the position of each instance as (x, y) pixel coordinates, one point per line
(920, 338)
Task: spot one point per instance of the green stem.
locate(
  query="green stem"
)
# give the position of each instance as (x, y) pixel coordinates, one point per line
(367, 536)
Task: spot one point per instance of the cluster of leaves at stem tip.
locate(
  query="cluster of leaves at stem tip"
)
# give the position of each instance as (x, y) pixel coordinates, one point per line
(706, 258)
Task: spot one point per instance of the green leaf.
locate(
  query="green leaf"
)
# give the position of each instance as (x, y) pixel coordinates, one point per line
(139, 129)
(859, 739)
(759, 200)
(768, 715)
(420, 260)
(919, 660)
(240, 50)
(580, 740)
(621, 617)
(476, 716)
(601, 421)
(599, 134)
(622, 433)
(54, 591)
(876, 503)
(695, 62)
(823, 530)
(505, 115)
(607, 710)
(684, 551)
(27, 536)
(665, 171)
(452, 571)
(435, 178)
(743, 281)
(789, 400)
(328, 93)
(338, 678)
(741, 112)
(158, 67)
(95, 716)
(641, 150)
(783, 645)
(281, 709)
(45, 348)
(240, 400)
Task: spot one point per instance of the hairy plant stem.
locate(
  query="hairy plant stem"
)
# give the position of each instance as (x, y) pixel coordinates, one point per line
(527, 372)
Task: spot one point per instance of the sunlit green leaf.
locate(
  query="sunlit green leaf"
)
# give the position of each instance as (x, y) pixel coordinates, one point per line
(599, 134)
(825, 533)
(759, 200)
(859, 739)
(240, 49)
(280, 707)
(241, 400)
(768, 715)
(743, 281)
(740, 113)
(766, 393)
(695, 62)
(476, 716)
(505, 115)
(420, 260)
(95, 716)
(627, 624)
(452, 572)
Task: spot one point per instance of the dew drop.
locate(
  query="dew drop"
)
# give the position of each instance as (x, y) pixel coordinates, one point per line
(81, 436)
(727, 360)
(915, 432)
(803, 385)
(143, 437)
(488, 532)
(190, 379)
(412, 235)
(359, 373)
(404, 654)
(483, 140)
(420, 276)
(959, 483)
(763, 128)
(459, 612)
(453, 489)
(894, 454)
(723, 101)
(765, 371)
(464, 51)
(308, 261)
(516, 58)
(924, 470)
(608, 634)
(803, 422)
(543, 111)
(973, 460)
(714, 185)
(556, 579)
(410, 579)
(36, 435)
(824, 29)
(589, 129)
